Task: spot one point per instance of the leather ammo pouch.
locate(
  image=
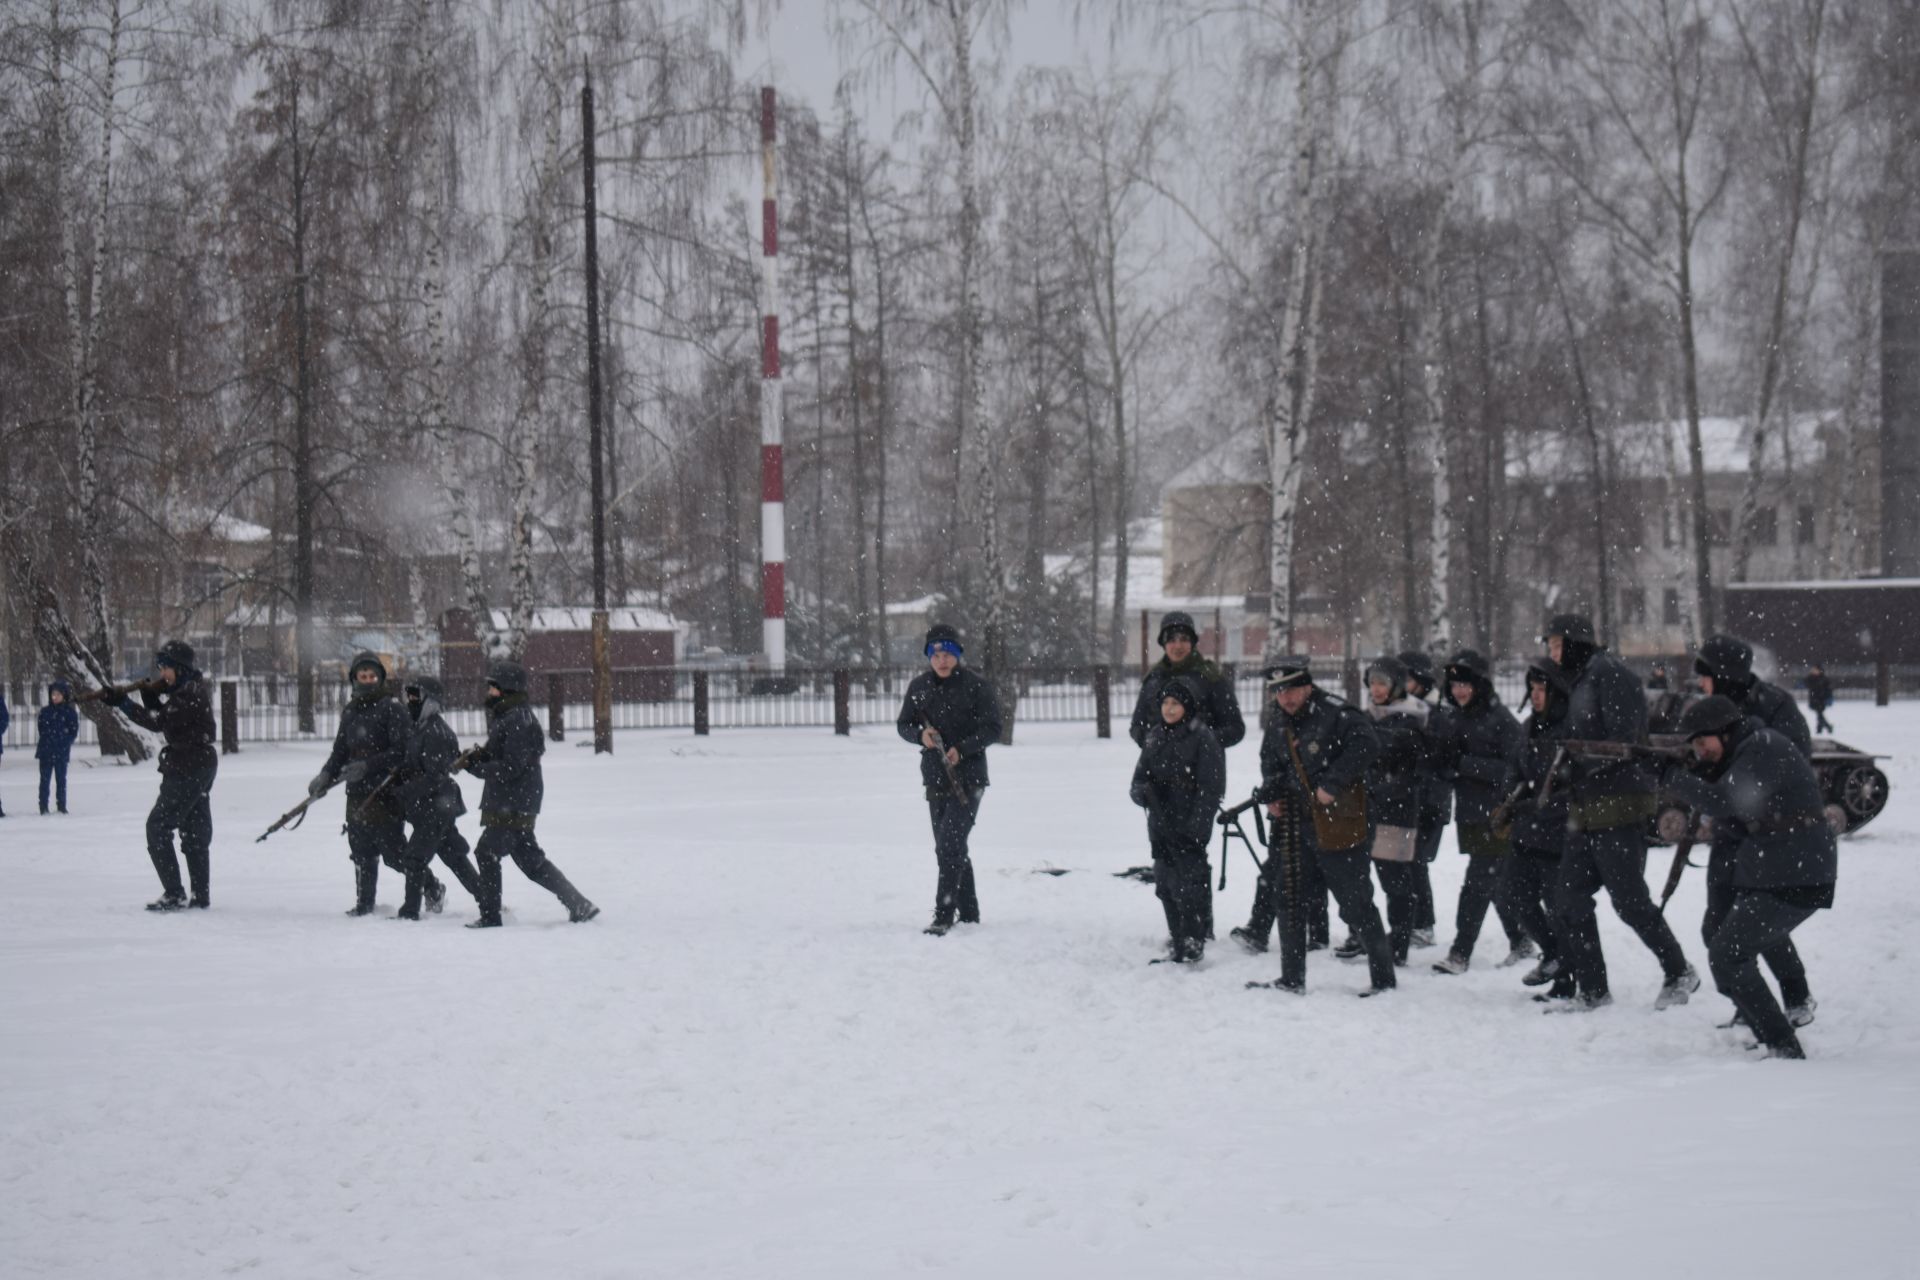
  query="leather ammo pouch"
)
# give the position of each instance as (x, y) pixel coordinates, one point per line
(1337, 826)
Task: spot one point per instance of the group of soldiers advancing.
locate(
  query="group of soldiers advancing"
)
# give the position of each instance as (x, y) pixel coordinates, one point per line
(1549, 811)
(398, 763)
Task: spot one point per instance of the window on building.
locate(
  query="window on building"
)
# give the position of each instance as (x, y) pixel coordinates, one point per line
(1803, 525)
(1633, 606)
(201, 582)
(1766, 527)
(1670, 607)
(1719, 526)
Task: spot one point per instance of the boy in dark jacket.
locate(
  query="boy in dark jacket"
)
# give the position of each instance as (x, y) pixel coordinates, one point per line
(1725, 667)
(1181, 775)
(432, 802)
(370, 745)
(182, 713)
(59, 726)
(1819, 698)
(1765, 806)
(951, 714)
(510, 764)
(1483, 740)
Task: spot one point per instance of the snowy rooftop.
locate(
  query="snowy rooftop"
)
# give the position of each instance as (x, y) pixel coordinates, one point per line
(580, 618)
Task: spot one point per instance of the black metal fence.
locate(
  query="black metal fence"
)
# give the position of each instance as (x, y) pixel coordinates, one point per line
(265, 709)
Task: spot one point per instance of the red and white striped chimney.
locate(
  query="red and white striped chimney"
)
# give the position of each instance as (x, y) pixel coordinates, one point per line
(773, 514)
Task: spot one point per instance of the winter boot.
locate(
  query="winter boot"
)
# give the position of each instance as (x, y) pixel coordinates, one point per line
(171, 900)
(1801, 1014)
(1376, 991)
(1541, 974)
(1582, 1003)
(436, 895)
(1423, 938)
(1788, 1048)
(1280, 984)
(1350, 950)
(1253, 942)
(1677, 989)
(1522, 951)
(941, 924)
(484, 922)
(366, 880)
(582, 913)
(1454, 963)
(410, 903)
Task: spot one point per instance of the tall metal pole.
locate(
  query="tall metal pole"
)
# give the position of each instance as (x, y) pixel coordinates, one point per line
(773, 532)
(602, 673)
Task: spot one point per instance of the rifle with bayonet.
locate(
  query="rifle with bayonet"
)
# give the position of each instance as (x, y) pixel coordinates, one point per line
(1682, 859)
(1662, 746)
(292, 818)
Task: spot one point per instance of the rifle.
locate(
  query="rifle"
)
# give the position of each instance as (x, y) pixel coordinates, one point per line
(1681, 861)
(148, 685)
(295, 816)
(1663, 746)
(359, 814)
(953, 774)
(1502, 816)
(1230, 827)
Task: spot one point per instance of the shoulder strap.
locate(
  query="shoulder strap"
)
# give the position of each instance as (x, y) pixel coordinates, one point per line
(1299, 766)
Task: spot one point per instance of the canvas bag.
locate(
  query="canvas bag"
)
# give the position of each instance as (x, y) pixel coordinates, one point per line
(1337, 826)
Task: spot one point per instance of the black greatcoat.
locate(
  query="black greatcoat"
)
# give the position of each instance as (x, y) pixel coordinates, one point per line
(183, 716)
(374, 731)
(964, 712)
(510, 764)
(1607, 704)
(1775, 709)
(428, 791)
(1217, 706)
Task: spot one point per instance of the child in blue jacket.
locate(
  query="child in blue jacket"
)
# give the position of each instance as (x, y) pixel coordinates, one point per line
(59, 726)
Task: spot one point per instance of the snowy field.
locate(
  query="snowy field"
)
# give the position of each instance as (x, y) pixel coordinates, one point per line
(755, 1065)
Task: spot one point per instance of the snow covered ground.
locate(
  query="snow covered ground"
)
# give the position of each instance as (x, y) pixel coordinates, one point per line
(754, 1064)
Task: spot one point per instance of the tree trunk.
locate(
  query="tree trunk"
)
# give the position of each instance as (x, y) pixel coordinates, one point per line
(304, 494)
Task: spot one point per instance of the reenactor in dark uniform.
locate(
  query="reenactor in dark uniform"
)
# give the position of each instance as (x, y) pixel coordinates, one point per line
(1763, 803)
(370, 745)
(1611, 803)
(1436, 796)
(1481, 741)
(1540, 829)
(182, 713)
(432, 802)
(951, 714)
(1314, 758)
(1395, 790)
(1181, 775)
(1725, 667)
(510, 804)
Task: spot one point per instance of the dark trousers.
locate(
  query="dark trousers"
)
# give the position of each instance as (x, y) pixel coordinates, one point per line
(376, 839)
(1617, 859)
(1483, 888)
(1183, 881)
(1270, 893)
(1347, 877)
(953, 820)
(1397, 881)
(441, 839)
(499, 843)
(1426, 849)
(1757, 923)
(1783, 957)
(1530, 876)
(1820, 724)
(54, 771)
(182, 806)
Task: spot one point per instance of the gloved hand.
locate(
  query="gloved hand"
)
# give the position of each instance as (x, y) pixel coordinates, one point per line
(479, 755)
(355, 770)
(1142, 794)
(318, 787)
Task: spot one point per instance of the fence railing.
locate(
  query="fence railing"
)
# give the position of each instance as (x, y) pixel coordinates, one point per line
(265, 709)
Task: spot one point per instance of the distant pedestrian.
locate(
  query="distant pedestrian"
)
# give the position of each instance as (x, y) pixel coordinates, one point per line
(3, 735)
(59, 726)
(951, 714)
(1658, 680)
(1819, 698)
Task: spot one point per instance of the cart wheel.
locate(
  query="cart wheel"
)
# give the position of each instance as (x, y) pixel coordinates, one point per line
(1864, 793)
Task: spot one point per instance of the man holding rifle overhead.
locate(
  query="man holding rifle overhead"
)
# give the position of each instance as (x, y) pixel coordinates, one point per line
(1610, 805)
(951, 714)
(179, 711)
